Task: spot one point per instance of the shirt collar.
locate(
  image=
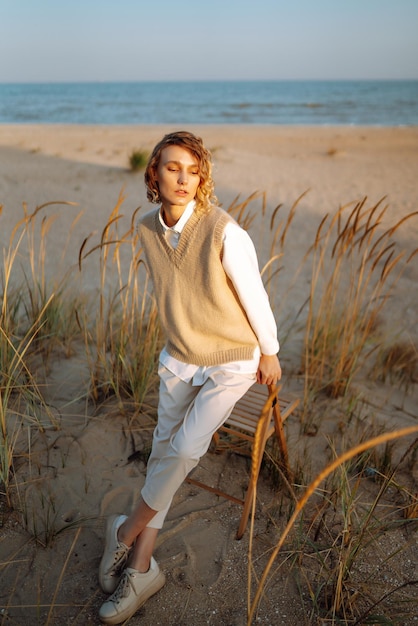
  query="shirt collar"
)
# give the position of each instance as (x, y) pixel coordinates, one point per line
(178, 227)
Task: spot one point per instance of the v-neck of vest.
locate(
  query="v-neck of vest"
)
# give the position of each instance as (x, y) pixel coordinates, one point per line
(177, 254)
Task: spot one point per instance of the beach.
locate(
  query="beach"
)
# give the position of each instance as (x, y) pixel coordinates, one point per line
(320, 168)
(331, 166)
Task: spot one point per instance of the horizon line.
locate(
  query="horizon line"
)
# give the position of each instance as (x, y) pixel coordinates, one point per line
(198, 80)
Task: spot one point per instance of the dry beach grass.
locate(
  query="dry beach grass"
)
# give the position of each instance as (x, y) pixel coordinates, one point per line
(333, 214)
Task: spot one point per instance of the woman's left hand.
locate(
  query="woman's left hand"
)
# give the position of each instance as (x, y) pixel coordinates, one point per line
(269, 370)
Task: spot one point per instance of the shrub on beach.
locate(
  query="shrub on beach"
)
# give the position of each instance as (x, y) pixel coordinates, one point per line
(138, 160)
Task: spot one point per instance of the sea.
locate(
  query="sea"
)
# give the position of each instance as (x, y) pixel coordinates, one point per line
(365, 102)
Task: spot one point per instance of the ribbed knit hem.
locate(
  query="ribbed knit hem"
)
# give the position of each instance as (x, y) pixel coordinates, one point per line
(242, 353)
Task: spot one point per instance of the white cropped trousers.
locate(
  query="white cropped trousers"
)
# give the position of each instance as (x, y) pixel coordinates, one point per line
(188, 416)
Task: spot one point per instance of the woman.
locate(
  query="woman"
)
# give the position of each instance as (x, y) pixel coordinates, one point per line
(221, 337)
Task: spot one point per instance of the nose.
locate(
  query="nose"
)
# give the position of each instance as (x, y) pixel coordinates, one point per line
(182, 177)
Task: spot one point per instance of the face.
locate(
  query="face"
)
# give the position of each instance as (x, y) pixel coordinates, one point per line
(178, 177)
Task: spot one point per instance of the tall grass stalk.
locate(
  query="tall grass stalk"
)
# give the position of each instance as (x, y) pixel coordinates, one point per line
(352, 529)
(21, 327)
(300, 505)
(122, 348)
(355, 266)
(29, 296)
(20, 401)
(55, 296)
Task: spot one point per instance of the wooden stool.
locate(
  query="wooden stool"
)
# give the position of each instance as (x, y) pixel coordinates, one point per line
(255, 418)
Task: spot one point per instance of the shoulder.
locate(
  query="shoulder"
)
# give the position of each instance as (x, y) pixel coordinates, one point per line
(218, 215)
(229, 226)
(148, 217)
(148, 220)
(214, 223)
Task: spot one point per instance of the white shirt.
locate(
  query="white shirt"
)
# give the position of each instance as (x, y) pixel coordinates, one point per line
(241, 265)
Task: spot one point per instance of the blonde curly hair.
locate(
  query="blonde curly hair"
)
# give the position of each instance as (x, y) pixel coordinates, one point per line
(205, 196)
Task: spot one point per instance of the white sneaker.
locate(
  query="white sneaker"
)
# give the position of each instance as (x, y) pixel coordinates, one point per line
(133, 591)
(115, 555)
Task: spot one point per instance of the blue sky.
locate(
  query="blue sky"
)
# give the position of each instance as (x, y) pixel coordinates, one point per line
(99, 40)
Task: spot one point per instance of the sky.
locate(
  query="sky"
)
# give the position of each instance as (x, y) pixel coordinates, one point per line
(134, 40)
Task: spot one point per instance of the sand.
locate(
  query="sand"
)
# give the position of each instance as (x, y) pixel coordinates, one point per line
(86, 473)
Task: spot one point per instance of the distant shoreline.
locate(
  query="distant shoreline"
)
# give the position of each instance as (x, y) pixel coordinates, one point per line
(278, 102)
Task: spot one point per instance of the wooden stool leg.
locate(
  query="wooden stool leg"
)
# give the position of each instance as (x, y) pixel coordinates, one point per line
(246, 512)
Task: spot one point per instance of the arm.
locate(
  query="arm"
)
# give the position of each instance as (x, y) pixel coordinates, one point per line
(241, 265)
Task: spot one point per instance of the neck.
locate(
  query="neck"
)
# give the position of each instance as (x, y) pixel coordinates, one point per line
(172, 214)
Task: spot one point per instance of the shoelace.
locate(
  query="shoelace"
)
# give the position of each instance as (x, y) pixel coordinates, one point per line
(122, 590)
(119, 559)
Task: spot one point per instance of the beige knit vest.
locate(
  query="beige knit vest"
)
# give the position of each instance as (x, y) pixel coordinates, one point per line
(199, 309)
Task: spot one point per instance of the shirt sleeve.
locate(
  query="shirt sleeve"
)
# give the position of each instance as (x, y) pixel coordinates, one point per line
(241, 265)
